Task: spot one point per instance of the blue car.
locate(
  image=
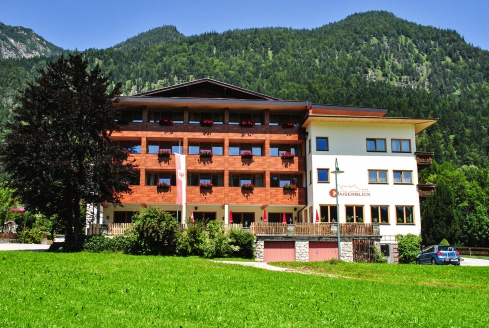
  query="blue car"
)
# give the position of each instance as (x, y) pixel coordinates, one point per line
(439, 254)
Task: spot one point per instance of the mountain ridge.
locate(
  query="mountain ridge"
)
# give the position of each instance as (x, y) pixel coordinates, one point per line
(20, 42)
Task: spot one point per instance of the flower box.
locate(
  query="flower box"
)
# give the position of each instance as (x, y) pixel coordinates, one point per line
(247, 186)
(288, 125)
(162, 185)
(166, 122)
(126, 152)
(290, 186)
(247, 154)
(164, 153)
(288, 155)
(206, 122)
(206, 154)
(206, 185)
(247, 124)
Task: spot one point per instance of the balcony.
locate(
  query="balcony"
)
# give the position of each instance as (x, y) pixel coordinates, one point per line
(216, 195)
(424, 158)
(425, 190)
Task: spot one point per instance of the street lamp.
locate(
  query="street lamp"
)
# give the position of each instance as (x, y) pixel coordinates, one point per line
(336, 172)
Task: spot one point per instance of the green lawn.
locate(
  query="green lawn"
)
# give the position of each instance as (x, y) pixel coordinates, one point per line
(105, 290)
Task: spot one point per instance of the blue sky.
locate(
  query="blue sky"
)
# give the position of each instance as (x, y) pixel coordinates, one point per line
(75, 24)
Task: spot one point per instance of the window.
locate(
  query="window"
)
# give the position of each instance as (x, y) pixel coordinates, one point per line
(237, 180)
(310, 177)
(403, 177)
(401, 145)
(133, 146)
(194, 148)
(154, 146)
(152, 179)
(354, 213)
(158, 115)
(245, 219)
(309, 144)
(203, 216)
(238, 149)
(404, 214)
(236, 118)
(195, 179)
(278, 217)
(135, 181)
(322, 144)
(277, 180)
(279, 150)
(280, 119)
(323, 175)
(328, 213)
(377, 176)
(123, 216)
(376, 145)
(379, 213)
(131, 115)
(197, 117)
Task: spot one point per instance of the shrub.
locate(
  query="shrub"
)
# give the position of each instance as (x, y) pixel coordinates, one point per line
(154, 233)
(408, 246)
(379, 257)
(99, 244)
(189, 241)
(30, 236)
(245, 241)
(444, 242)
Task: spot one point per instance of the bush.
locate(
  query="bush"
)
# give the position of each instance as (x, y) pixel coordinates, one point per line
(154, 233)
(245, 241)
(189, 241)
(408, 246)
(444, 242)
(99, 244)
(30, 236)
(379, 257)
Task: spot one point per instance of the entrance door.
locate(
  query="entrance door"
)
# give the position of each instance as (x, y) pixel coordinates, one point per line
(279, 251)
(362, 250)
(322, 251)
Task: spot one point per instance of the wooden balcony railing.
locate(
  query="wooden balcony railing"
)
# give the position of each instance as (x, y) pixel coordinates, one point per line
(425, 190)
(258, 228)
(312, 229)
(424, 158)
(109, 229)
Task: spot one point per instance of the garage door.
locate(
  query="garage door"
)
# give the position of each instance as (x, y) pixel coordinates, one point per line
(279, 251)
(322, 251)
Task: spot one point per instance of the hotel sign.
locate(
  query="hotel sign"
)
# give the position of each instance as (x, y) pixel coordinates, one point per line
(350, 190)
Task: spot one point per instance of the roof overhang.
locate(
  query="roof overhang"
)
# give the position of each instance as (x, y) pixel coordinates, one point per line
(419, 124)
(211, 103)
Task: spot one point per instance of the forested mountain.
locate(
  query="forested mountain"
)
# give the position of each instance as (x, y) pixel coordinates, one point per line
(370, 59)
(155, 36)
(20, 42)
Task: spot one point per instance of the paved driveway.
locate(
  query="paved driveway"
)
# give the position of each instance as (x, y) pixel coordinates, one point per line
(474, 262)
(22, 247)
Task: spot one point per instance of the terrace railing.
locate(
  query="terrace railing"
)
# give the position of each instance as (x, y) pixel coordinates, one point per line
(312, 228)
(268, 228)
(259, 228)
(109, 229)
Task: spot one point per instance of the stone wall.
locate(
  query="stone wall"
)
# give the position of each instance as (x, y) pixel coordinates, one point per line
(259, 250)
(302, 250)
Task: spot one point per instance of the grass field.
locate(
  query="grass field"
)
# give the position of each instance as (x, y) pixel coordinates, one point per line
(113, 290)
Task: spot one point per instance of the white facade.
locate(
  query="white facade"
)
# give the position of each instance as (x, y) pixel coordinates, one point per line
(347, 142)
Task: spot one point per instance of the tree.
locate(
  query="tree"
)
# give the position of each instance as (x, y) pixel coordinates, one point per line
(57, 149)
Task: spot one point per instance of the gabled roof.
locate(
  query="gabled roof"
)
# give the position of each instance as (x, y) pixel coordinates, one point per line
(205, 88)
